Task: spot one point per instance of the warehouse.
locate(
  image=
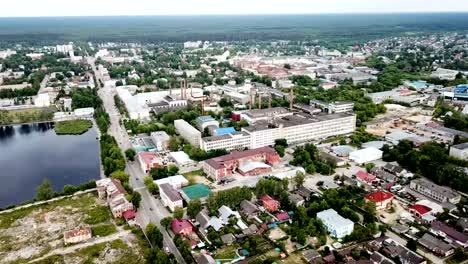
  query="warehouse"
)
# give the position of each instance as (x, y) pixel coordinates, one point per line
(365, 155)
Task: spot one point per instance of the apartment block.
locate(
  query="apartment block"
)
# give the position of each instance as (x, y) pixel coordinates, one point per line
(439, 193)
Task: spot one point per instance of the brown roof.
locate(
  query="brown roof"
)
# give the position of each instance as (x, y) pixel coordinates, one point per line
(218, 162)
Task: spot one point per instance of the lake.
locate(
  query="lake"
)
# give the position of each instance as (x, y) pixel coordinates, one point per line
(31, 153)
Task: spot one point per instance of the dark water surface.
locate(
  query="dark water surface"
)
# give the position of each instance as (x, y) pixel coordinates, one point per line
(30, 153)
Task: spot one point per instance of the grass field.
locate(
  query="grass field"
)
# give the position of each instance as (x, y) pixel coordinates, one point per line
(26, 115)
(73, 127)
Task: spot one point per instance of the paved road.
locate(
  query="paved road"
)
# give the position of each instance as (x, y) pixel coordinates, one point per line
(151, 209)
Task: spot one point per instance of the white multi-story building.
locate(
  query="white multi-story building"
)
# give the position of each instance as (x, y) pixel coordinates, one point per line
(67, 48)
(335, 224)
(192, 44)
(439, 193)
(170, 197)
(340, 107)
(229, 142)
(459, 151)
(161, 140)
(301, 128)
(188, 132)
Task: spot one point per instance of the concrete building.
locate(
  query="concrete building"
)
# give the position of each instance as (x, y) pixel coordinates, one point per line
(161, 140)
(459, 151)
(233, 141)
(205, 121)
(149, 160)
(42, 100)
(177, 181)
(226, 165)
(188, 132)
(170, 197)
(333, 107)
(439, 193)
(335, 224)
(299, 128)
(256, 115)
(114, 193)
(365, 155)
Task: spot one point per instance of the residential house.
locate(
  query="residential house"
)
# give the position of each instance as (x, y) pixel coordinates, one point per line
(225, 213)
(311, 256)
(394, 250)
(270, 204)
(282, 217)
(437, 246)
(206, 221)
(205, 259)
(296, 199)
(304, 192)
(365, 177)
(383, 200)
(77, 235)
(182, 227)
(248, 208)
(394, 169)
(228, 239)
(170, 197)
(441, 229)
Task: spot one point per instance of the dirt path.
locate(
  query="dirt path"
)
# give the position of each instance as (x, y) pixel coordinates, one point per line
(94, 241)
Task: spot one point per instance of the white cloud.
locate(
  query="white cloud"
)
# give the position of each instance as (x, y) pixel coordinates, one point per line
(193, 7)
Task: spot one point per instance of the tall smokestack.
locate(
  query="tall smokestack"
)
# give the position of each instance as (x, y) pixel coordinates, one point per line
(269, 100)
(291, 99)
(259, 101)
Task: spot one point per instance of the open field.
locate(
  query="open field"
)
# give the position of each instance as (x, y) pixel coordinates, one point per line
(26, 115)
(36, 233)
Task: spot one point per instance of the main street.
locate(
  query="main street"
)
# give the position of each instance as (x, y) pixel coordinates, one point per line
(151, 210)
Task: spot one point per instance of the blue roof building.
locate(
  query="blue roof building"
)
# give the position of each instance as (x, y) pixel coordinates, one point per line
(224, 131)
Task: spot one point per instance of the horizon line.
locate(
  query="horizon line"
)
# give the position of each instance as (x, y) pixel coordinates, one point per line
(249, 14)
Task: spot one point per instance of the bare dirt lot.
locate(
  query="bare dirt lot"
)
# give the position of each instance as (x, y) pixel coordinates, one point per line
(35, 234)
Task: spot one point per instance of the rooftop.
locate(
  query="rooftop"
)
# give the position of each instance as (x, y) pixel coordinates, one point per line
(446, 191)
(170, 192)
(196, 191)
(379, 196)
(334, 218)
(218, 162)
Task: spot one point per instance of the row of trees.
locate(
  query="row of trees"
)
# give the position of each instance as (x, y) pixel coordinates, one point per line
(308, 157)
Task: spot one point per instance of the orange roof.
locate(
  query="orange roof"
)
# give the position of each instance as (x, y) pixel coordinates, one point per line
(379, 196)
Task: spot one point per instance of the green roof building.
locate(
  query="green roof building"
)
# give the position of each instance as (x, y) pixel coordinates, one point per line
(197, 191)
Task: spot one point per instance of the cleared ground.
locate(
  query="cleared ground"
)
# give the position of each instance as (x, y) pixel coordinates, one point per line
(35, 234)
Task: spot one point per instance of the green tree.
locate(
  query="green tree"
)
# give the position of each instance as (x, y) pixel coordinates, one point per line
(412, 245)
(194, 207)
(166, 222)
(172, 170)
(152, 187)
(69, 189)
(130, 153)
(299, 179)
(121, 176)
(178, 213)
(154, 235)
(45, 190)
(135, 199)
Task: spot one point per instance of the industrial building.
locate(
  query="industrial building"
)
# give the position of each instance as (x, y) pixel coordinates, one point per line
(299, 128)
(459, 151)
(439, 193)
(335, 224)
(365, 155)
(233, 141)
(206, 121)
(188, 132)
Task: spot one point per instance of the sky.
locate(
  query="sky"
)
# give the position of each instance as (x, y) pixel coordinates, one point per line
(38, 8)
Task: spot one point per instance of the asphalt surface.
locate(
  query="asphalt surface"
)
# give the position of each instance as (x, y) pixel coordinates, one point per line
(151, 210)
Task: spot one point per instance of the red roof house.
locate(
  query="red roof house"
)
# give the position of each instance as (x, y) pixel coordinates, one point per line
(149, 160)
(365, 177)
(182, 226)
(419, 210)
(270, 204)
(129, 215)
(284, 216)
(382, 199)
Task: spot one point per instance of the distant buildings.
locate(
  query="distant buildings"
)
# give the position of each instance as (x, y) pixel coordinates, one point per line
(439, 193)
(444, 74)
(335, 224)
(223, 166)
(334, 107)
(206, 121)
